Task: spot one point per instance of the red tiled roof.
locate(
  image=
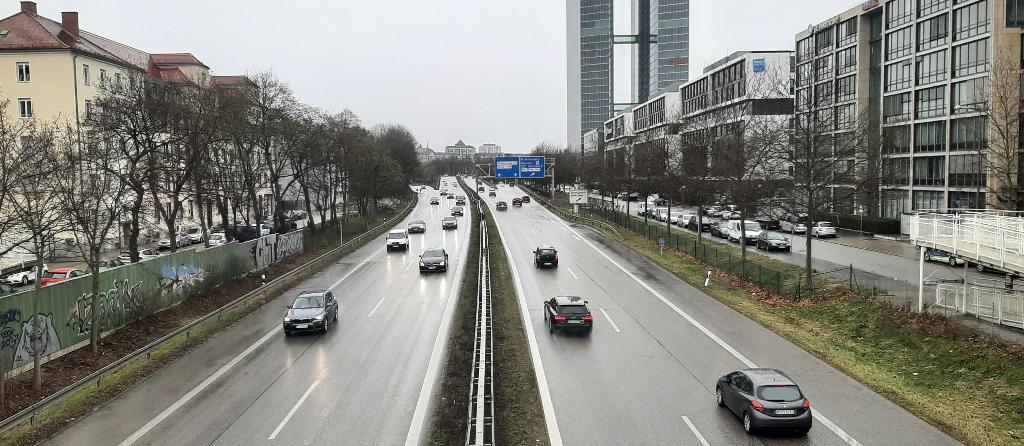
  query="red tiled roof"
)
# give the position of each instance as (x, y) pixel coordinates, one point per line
(27, 31)
(175, 59)
(172, 75)
(230, 80)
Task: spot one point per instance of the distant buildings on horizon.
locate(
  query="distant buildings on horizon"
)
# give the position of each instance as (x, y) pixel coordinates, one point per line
(459, 150)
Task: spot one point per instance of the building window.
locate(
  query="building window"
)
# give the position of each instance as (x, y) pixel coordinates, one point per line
(803, 99)
(845, 116)
(899, 43)
(846, 88)
(966, 200)
(930, 137)
(970, 58)
(969, 95)
(931, 68)
(966, 170)
(846, 32)
(804, 75)
(823, 41)
(117, 80)
(805, 50)
(85, 75)
(896, 171)
(24, 74)
(823, 94)
(927, 199)
(823, 68)
(895, 202)
(896, 108)
(971, 20)
(103, 77)
(88, 108)
(969, 133)
(933, 32)
(898, 12)
(896, 139)
(1015, 13)
(25, 107)
(897, 76)
(930, 171)
(931, 102)
(926, 7)
(846, 61)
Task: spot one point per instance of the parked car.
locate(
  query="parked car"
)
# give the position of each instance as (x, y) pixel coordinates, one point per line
(713, 211)
(181, 241)
(195, 235)
(311, 311)
(934, 255)
(823, 229)
(765, 399)
(21, 277)
(145, 254)
(58, 275)
(750, 230)
(545, 256)
(434, 259)
(111, 264)
(767, 222)
(720, 230)
(218, 239)
(679, 218)
(568, 313)
(705, 223)
(793, 224)
(773, 241)
(501, 206)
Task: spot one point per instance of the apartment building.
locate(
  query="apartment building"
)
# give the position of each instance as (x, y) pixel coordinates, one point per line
(918, 72)
(460, 150)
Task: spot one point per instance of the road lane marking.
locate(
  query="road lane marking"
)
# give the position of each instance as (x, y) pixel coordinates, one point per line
(577, 238)
(696, 432)
(408, 265)
(292, 412)
(199, 388)
(573, 274)
(374, 310)
(554, 436)
(707, 332)
(353, 270)
(610, 321)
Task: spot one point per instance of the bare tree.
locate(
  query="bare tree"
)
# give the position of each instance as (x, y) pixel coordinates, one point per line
(1001, 104)
(12, 132)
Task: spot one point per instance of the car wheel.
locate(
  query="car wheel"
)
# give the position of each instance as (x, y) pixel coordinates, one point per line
(747, 427)
(952, 261)
(24, 280)
(327, 324)
(718, 397)
(927, 257)
(287, 333)
(335, 315)
(980, 268)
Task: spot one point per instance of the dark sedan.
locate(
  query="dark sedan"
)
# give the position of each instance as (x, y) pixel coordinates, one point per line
(720, 230)
(457, 210)
(501, 206)
(434, 200)
(449, 223)
(434, 259)
(526, 198)
(545, 256)
(568, 313)
(772, 241)
(311, 311)
(517, 202)
(765, 399)
(705, 224)
(417, 226)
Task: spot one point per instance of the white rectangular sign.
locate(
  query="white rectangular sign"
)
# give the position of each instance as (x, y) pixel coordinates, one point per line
(577, 196)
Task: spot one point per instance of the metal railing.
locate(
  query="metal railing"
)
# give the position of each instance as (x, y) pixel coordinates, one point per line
(997, 305)
(480, 426)
(990, 238)
(30, 413)
(569, 216)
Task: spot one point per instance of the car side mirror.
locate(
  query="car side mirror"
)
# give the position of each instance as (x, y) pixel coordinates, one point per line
(288, 307)
(724, 380)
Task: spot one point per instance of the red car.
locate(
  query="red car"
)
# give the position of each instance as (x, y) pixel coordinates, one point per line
(58, 275)
(526, 198)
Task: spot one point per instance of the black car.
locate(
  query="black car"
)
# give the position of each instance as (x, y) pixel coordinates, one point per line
(449, 223)
(457, 210)
(435, 200)
(772, 241)
(501, 206)
(765, 399)
(433, 259)
(568, 313)
(517, 202)
(417, 226)
(720, 230)
(460, 202)
(451, 197)
(705, 224)
(545, 256)
(492, 194)
(311, 311)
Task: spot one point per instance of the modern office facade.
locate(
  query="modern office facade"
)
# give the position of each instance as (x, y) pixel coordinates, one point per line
(659, 38)
(919, 72)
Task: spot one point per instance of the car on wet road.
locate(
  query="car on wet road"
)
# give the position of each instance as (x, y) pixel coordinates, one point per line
(568, 313)
(417, 227)
(397, 239)
(501, 206)
(517, 202)
(449, 223)
(545, 257)
(311, 311)
(434, 259)
(457, 210)
(764, 399)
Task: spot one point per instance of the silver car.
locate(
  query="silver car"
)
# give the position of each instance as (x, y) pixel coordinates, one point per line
(823, 229)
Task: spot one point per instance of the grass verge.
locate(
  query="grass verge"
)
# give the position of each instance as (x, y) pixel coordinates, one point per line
(79, 403)
(966, 384)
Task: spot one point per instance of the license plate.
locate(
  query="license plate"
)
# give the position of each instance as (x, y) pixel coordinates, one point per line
(302, 326)
(575, 322)
(785, 412)
(547, 263)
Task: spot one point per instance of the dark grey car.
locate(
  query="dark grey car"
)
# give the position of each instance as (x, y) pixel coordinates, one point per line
(765, 399)
(311, 311)
(433, 259)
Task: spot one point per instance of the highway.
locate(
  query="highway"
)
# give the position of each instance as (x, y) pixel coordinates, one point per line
(647, 373)
(366, 382)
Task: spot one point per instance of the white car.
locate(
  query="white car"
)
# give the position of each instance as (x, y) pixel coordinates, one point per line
(218, 239)
(145, 254)
(823, 229)
(182, 240)
(195, 235)
(21, 277)
(792, 227)
(752, 230)
(679, 218)
(398, 239)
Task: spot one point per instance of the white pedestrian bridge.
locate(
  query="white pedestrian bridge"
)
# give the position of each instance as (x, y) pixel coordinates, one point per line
(994, 239)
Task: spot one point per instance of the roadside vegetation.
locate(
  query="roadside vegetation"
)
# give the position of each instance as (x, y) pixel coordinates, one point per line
(967, 384)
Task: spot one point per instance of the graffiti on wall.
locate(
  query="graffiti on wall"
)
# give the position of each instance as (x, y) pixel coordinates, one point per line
(180, 281)
(119, 305)
(46, 340)
(273, 248)
(289, 245)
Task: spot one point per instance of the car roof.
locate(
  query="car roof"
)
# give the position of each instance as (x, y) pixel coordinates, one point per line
(765, 377)
(563, 301)
(397, 231)
(62, 270)
(312, 293)
(545, 247)
(448, 218)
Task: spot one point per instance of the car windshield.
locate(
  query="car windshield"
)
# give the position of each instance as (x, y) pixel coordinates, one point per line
(824, 224)
(546, 252)
(308, 301)
(53, 275)
(779, 393)
(193, 231)
(216, 236)
(433, 253)
(752, 226)
(775, 236)
(396, 235)
(417, 222)
(572, 309)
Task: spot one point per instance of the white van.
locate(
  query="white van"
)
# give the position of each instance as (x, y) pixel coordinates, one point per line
(753, 229)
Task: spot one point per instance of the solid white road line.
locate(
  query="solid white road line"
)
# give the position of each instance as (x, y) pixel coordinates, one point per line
(610, 321)
(696, 432)
(353, 270)
(374, 310)
(292, 412)
(411, 262)
(577, 238)
(571, 273)
(199, 388)
(817, 414)
(419, 416)
(554, 435)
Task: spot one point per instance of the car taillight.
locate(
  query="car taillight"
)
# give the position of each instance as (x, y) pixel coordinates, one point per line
(556, 257)
(560, 318)
(757, 406)
(588, 318)
(807, 404)
(538, 256)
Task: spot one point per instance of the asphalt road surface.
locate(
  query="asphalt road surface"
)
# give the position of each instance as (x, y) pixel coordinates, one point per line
(366, 382)
(648, 371)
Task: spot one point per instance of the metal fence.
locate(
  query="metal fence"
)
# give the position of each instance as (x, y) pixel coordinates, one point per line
(997, 305)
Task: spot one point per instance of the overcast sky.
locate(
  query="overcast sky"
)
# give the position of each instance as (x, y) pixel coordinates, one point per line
(479, 70)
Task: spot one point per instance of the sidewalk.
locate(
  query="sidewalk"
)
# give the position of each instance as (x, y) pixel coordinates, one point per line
(863, 241)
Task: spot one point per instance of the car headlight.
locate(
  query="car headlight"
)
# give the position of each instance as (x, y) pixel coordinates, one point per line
(422, 264)
(441, 263)
(287, 319)
(319, 317)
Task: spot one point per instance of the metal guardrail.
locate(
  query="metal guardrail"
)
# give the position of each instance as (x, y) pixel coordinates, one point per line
(999, 306)
(480, 426)
(570, 216)
(30, 413)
